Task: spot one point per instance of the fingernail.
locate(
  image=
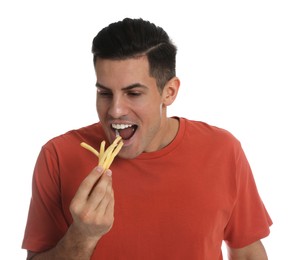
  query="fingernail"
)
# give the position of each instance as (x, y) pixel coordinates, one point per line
(109, 172)
(99, 169)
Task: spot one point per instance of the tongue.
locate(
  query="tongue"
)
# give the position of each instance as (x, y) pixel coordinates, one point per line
(126, 133)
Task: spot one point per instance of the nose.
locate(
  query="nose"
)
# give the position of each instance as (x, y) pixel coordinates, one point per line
(118, 107)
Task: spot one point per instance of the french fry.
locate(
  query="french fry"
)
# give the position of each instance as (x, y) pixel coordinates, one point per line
(113, 154)
(108, 151)
(102, 148)
(105, 157)
(89, 148)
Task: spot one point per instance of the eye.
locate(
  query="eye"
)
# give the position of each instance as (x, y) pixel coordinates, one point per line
(134, 93)
(104, 93)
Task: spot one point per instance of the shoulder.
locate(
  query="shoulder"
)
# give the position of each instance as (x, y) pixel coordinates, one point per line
(90, 134)
(205, 132)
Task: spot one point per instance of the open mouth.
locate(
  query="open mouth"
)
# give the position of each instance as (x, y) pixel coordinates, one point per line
(126, 131)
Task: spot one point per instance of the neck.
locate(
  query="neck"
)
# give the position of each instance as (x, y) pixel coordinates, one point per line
(172, 127)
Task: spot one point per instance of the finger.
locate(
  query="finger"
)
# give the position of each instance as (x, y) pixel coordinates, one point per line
(99, 191)
(87, 185)
(106, 205)
(109, 211)
(106, 211)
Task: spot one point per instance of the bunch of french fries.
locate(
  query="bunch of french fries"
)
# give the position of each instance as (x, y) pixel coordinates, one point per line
(105, 156)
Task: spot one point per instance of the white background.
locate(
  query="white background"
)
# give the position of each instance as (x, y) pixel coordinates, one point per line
(233, 62)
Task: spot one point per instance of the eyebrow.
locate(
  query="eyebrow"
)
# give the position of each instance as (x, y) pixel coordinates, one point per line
(132, 86)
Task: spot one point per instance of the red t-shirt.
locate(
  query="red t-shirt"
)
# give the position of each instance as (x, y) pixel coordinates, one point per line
(180, 202)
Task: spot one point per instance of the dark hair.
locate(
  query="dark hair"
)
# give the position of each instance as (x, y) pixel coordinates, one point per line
(136, 37)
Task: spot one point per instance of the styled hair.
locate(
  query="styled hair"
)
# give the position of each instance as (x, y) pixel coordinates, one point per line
(131, 38)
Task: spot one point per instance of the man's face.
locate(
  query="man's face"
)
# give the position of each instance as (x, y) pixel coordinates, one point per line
(129, 102)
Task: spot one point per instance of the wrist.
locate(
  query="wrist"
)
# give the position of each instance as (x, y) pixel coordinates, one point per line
(75, 244)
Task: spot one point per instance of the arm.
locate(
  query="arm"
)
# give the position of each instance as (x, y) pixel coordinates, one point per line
(92, 210)
(254, 251)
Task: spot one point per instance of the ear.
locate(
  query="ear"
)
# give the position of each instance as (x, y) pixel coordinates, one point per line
(170, 91)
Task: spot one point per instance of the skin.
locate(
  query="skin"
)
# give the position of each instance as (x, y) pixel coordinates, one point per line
(92, 209)
(254, 251)
(126, 94)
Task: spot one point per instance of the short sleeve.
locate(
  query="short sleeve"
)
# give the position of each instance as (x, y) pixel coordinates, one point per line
(249, 220)
(46, 223)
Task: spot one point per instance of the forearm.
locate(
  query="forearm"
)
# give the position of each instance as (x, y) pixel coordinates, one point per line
(249, 257)
(255, 251)
(72, 246)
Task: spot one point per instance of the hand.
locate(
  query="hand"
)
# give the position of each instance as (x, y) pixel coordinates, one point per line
(92, 207)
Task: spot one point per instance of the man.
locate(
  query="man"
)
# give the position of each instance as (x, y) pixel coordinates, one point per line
(179, 187)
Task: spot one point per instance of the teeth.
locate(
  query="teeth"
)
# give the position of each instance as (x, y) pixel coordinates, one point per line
(120, 126)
